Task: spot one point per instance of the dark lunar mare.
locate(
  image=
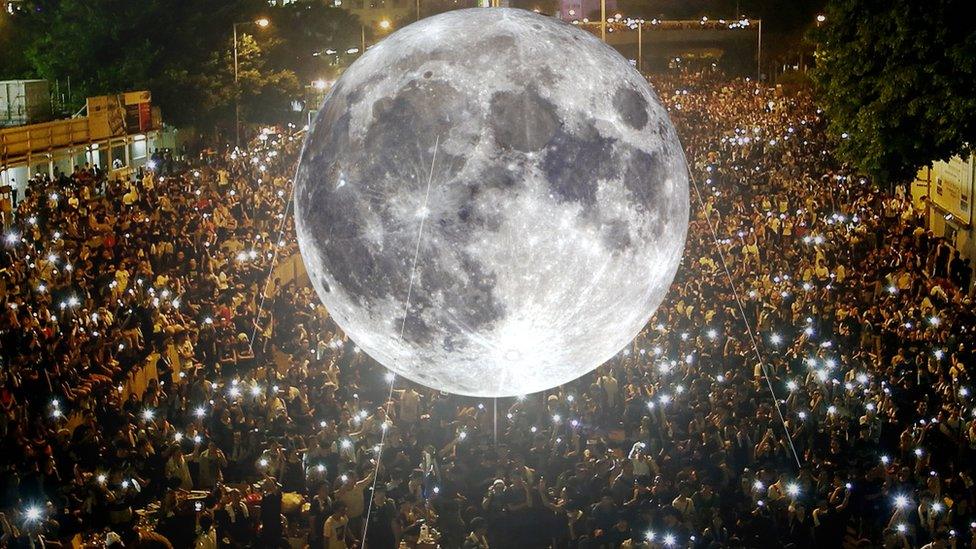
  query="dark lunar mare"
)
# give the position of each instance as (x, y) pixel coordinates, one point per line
(396, 151)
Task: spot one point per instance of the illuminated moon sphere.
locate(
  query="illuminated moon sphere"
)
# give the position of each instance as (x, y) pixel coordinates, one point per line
(491, 202)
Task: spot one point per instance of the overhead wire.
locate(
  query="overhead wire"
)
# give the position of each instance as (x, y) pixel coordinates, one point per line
(745, 320)
(403, 325)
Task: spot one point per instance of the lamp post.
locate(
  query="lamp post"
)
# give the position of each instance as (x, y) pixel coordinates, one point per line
(603, 20)
(384, 25)
(759, 54)
(640, 46)
(262, 23)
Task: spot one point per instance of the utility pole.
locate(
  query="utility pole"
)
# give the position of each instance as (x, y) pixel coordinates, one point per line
(261, 23)
(603, 20)
(640, 46)
(237, 98)
(759, 54)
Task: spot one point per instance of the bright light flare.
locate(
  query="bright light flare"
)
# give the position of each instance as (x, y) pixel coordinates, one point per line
(33, 513)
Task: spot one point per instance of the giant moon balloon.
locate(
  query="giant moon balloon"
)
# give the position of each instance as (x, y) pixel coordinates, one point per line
(491, 202)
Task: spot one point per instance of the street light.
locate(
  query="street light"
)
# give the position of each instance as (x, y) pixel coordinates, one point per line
(640, 46)
(261, 22)
(385, 25)
(759, 52)
(821, 18)
(603, 21)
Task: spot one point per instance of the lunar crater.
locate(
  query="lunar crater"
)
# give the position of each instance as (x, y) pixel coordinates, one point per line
(632, 107)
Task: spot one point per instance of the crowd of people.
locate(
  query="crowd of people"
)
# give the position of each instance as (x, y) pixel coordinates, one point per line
(804, 384)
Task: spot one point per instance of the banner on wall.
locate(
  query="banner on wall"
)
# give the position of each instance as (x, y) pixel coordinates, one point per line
(115, 115)
(952, 186)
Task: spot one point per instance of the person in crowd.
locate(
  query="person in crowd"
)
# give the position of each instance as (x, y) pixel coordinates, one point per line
(335, 530)
(478, 537)
(154, 340)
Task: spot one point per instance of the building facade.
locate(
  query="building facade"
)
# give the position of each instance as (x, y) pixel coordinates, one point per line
(118, 134)
(946, 191)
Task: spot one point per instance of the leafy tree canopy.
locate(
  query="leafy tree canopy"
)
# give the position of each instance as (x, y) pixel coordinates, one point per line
(895, 78)
(304, 31)
(181, 50)
(108, 46)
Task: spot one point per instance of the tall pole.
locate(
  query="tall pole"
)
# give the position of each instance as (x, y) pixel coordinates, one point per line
(640, 46)
(237, 95)
(759, 54)
(603, 20)
(418, 10)
(495, 420)
(363, 30)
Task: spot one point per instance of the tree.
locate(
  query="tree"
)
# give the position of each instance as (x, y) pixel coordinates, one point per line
(178, 49)
(434, 7)
(895, 78)
(13, 64)
(303, 31)
(266, 92)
